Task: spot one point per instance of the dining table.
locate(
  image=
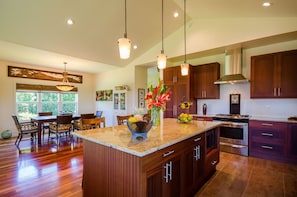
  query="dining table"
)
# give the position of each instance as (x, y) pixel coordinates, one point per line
(42, 119)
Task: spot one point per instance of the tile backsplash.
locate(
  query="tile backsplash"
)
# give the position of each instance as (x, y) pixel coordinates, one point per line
(278, 108)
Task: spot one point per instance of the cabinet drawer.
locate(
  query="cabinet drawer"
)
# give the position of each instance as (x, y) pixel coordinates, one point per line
(267, 125)
(270, 135)
(212, 159)
(265, 131)
(163, 155)
(267, 149)
(197, 139)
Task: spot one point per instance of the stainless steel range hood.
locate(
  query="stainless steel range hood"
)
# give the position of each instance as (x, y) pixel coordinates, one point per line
(233, 62)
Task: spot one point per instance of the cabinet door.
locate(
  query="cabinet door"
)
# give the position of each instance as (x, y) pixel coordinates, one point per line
(292, 145)
(288, 78)
(170, 76)
(212, 72)
(180, 87)
(171, 107)
(193, 167)
(198, 82)
(165, 180)
(263, 77)
(182, 94)
(202, 81)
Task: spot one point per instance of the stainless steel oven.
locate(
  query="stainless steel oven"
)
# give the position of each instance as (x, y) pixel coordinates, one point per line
(233, 133)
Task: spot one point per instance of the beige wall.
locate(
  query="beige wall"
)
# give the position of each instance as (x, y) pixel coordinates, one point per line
(86, 92)
(108, 80)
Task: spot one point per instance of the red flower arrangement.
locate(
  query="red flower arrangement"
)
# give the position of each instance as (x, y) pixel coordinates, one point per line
(158, 96)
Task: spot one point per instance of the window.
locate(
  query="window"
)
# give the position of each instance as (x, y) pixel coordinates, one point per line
(29, 103)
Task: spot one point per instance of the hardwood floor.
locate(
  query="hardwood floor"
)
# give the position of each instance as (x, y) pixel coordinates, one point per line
(48, 170)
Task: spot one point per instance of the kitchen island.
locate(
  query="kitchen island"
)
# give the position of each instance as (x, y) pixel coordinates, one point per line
(175, 159)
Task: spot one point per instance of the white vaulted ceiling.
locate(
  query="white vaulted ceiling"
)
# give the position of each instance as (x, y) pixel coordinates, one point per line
(35, 31)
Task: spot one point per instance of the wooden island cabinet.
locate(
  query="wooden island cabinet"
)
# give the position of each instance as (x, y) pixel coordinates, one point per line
(175, 160)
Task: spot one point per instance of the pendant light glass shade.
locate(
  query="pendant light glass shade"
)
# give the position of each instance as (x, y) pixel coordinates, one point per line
(185, 67)
(125, 43)
(65, 85)
(124, 47)
(162, 58)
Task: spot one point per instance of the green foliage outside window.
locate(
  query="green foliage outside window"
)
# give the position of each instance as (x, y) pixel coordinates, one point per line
(30, 103)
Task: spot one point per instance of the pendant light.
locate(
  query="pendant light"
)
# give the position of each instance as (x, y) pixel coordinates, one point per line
(185, 67)
(65, 85)
(125, 43)
(162, 57)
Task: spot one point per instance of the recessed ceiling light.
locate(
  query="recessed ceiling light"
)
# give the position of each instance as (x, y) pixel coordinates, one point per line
(70, 21)
(175, 14)
(266, 4)
(135, 47)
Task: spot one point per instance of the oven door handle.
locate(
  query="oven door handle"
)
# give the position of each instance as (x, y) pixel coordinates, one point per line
(233, 125)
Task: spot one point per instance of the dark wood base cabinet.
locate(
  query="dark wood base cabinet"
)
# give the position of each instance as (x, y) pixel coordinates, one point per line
(176, 171)
(273, 140)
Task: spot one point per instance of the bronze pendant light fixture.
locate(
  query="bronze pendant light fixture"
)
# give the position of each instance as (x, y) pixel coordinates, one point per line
(185, 65)
(161, 58)
(124, 43)
(65, 85)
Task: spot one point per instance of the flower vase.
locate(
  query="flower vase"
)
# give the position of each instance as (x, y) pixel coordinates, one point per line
(155, 117)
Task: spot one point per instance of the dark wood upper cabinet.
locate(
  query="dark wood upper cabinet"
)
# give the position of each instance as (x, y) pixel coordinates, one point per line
(274, 75)
(202, 81)
(180, 87)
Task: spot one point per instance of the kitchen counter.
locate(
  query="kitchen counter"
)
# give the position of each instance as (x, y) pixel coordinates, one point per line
(119, 137)
(274, 119)
(115, 165)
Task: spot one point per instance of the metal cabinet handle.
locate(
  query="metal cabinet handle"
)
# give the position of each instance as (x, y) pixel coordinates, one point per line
(166, 172)
(197, 152)
(274, 91)
(267, 147)
(267, 134)
(168, 153)
(174, 110)
(197, 139)
(214, 162)
(170, 170)
(267, 124)
(174, 79)
(279, 91)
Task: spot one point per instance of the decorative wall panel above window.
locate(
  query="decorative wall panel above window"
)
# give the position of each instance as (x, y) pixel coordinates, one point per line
(41, 74)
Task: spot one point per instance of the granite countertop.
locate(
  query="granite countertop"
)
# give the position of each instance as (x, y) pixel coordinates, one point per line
(120, 138)
(274, 119)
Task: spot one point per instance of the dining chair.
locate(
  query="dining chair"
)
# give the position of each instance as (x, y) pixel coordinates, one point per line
(93, 123)
(45, 125)
(123, 119)
(63, 125)
(77, 124)
(24, 128)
